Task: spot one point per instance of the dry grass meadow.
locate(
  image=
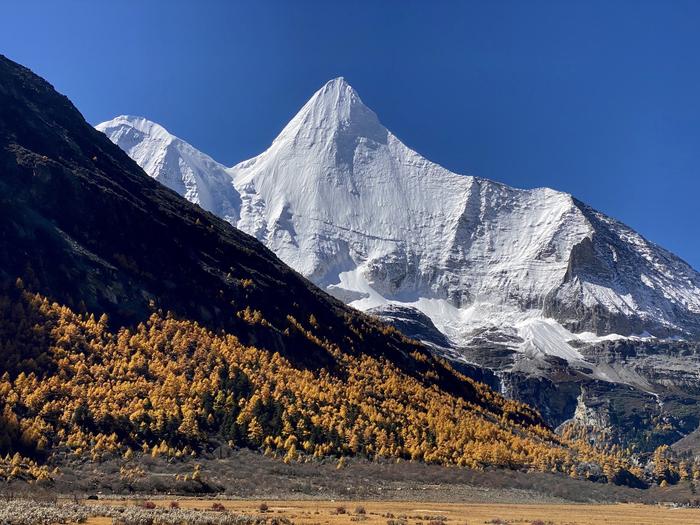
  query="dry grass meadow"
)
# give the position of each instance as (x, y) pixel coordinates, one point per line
(422, 513)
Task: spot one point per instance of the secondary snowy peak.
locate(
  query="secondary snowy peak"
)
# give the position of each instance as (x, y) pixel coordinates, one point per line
(176, 164)
(343, 201)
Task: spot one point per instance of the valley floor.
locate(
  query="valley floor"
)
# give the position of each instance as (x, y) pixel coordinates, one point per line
(414, 512)
(248, 475)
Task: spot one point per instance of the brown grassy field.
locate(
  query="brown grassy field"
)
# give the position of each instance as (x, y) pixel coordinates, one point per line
(415, 513)
(248, 475)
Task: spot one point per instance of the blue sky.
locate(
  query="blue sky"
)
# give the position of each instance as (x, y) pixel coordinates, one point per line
(597, 98)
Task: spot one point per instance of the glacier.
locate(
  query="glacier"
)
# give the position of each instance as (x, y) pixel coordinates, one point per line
(343, 201)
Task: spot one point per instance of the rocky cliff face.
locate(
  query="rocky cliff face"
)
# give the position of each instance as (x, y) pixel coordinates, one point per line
(614, 281)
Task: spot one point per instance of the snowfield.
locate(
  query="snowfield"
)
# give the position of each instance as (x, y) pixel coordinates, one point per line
(343, 201)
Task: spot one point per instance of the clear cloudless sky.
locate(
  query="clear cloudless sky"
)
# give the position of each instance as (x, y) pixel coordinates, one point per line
(597, 98)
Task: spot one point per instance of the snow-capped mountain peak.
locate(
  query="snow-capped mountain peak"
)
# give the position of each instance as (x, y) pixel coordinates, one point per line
(333, 112)
(339, 198)
(334, 105)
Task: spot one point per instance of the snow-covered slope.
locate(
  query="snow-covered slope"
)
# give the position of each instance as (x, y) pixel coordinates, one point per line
(343, 201)
(176, 164)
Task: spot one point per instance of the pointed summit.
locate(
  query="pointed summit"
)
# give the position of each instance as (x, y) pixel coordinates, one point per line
(337, 83)
(338, 80)
(334, 110)
(337, 92)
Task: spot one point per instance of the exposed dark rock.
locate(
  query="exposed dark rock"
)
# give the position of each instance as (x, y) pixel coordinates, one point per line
(412, 322)
(606, 260)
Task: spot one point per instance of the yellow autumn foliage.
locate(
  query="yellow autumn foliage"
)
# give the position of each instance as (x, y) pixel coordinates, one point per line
(168, 386)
